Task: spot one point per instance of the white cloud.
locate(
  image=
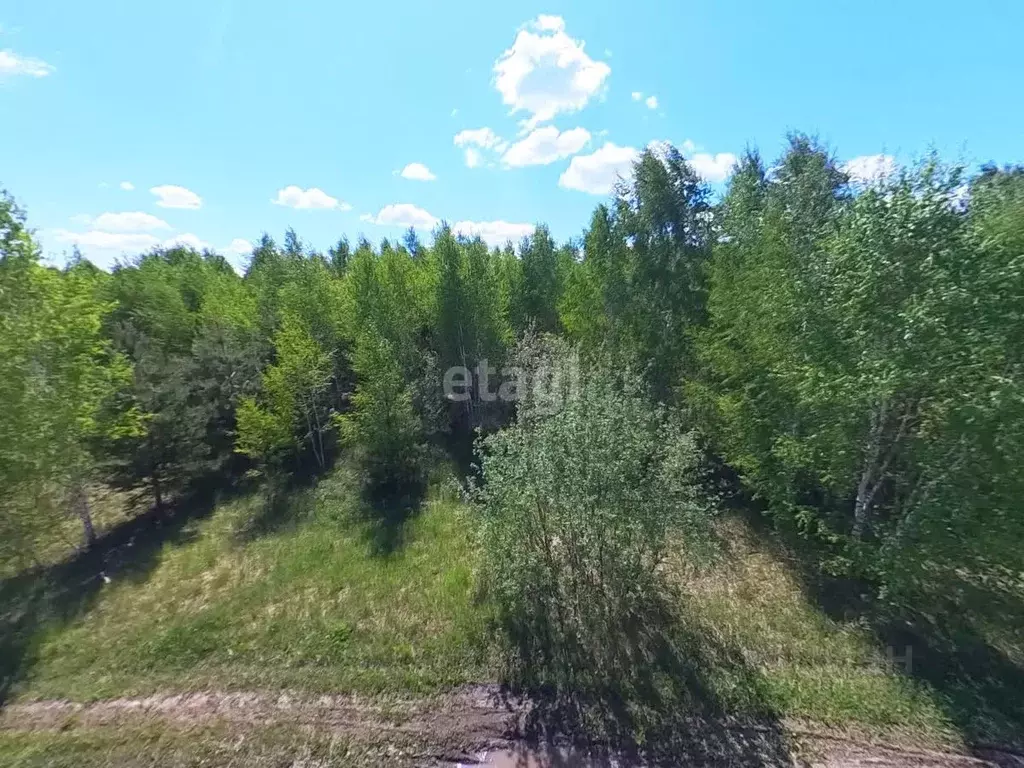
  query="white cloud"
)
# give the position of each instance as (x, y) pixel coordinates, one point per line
(548, 23)
(477, 139)
(660, 148)
(235, 253)
(127, 186)
(494, 233)
(868, 169)
(187, 240)
(95, 240)
(238, 247)
(651, 102)
(104, 247)
(546, 72)
(408, 215)
(546, 145)
(481, 137)
(405, 215)
(597, 173)
(128, 221)
(714, 168)
(171, 196)
(366, 217)
(417, 172)
(637, 95)
(12, 64)
(308, 199)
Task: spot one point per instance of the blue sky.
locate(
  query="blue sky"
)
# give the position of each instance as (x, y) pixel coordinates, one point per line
(223, 119)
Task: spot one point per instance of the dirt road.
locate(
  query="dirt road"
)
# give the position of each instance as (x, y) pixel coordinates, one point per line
(474, 726)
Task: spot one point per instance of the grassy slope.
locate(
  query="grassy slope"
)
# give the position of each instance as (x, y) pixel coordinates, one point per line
(313, 602)
(311, 605)
(808, 665)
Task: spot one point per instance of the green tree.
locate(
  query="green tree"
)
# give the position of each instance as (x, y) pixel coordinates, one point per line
(382, 424)
(577, 505)
(56, 370)
(293, 409)
(541, 286)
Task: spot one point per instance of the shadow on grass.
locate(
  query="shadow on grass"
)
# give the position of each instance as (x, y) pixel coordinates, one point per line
(286, 501)
(38, 599)
(955, 634)
(386, 509)
(383, 506)
(642, 687)
(288, 495)
(945, 639)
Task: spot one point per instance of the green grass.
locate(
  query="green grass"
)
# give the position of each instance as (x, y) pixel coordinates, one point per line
(311, 605)
(805, 664)
(208, 745)
(303, 596)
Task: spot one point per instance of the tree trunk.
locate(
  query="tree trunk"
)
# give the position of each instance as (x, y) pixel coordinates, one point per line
(862, 506)
(158, 497)
(80, 506)
(312, 436)
(877, 461)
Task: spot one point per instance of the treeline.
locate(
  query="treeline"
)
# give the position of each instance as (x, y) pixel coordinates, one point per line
(852, 352)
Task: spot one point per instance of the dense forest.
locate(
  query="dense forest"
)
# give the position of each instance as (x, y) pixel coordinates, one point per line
(845, 358)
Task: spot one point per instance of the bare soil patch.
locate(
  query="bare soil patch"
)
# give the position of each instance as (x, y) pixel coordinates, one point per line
(474, 725)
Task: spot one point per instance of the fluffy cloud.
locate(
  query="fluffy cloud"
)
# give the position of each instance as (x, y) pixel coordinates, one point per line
(481, 137)
(238, 247)
(661, 147)
(405, 215)
(597, 173)
(116, 242)
(713, 168)
(417, 172)
(546, 72)
(868, 169)
(12, 64)
(548, 23)
(127, 186)
(408, 215)
(546, 145)
(476, 139)
(171, 196)
(187, 240)
(650, 101)
(103, 247)
(494, 233)
(129, 221)
(308, 199)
